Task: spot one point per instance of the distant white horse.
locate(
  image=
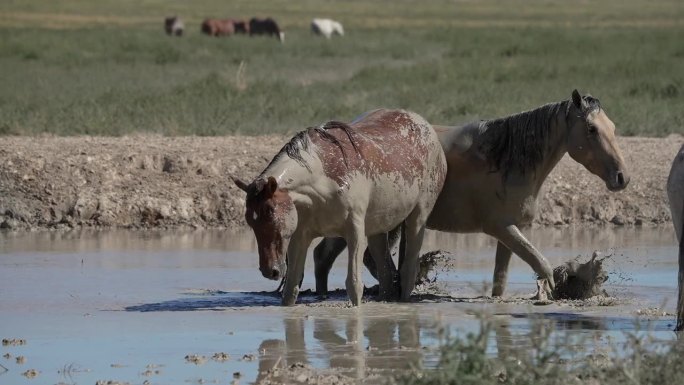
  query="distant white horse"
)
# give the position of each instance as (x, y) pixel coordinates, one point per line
(675, 193)
(326, 27)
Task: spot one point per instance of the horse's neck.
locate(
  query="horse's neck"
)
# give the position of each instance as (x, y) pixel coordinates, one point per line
(288, 173)
(556, 148)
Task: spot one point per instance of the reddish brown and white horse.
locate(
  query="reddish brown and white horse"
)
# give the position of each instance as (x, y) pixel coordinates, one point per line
(355, 181)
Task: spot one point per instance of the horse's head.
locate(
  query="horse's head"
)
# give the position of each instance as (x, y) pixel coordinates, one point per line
(591, 141)
(273, 217)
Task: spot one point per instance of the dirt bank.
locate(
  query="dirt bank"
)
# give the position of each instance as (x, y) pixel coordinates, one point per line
(152, 181)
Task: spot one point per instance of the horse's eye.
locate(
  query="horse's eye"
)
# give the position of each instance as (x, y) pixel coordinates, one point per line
(592, 129)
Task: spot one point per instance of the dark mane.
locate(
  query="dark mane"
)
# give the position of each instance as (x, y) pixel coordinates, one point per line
(518, 143)
(302, 140)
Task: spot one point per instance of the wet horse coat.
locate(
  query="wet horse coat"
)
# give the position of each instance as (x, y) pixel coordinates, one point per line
(675, 194)
(495, 172)
(355, 181)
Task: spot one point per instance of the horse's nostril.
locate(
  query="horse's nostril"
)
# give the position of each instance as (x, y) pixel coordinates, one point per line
(620, 178)
(275, 273)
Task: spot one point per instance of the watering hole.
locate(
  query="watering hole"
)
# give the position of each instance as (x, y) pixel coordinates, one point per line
(130, 306)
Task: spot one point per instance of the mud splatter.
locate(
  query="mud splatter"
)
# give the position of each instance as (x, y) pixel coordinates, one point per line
(580, 280)
(195, 359)
(31, 373)
(220, 357)
(13, 342)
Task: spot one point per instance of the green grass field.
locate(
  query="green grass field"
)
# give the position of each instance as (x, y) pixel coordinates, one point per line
(106, 67)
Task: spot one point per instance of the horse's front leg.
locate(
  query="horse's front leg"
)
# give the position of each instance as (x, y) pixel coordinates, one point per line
(513, 239)
(356, 243)
(325, 255)
(296, 257)
(503, 257)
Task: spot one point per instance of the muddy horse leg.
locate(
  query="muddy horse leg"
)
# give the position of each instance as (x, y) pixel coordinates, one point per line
(503, 257)
(379, 246)
(296, 257)
(414, 230)
(356, 244)
(325, 255)
(513, 239)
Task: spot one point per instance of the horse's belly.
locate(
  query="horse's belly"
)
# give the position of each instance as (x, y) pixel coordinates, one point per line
(389, 205)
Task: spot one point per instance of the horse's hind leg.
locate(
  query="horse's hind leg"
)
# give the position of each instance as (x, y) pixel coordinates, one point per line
(503, 257)
(414, 229)
(379, 246)
(325, 255)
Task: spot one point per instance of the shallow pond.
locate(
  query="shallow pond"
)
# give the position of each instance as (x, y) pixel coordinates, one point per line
(129, 306)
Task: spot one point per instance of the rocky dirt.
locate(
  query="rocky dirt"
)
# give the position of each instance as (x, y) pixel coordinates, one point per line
(165, 182)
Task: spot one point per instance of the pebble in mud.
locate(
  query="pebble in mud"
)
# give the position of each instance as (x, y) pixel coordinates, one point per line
(21, 360)
(196, 359)
(31, 373)
(237, 375)
(220, 357)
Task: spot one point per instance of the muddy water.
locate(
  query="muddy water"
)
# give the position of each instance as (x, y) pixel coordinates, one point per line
(129, 306)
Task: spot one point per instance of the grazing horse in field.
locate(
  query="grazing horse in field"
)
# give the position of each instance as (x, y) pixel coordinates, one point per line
(219, 27)
(355, 181)
(495, 171)
(174, 26)
(326, 27)
(267, 27)
(675, 194)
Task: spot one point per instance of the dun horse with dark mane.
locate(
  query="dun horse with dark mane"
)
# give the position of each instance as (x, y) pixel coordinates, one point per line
(495, 171)
(355, 181)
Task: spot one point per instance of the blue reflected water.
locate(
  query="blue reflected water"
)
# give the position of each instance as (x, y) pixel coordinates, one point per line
(105, 305)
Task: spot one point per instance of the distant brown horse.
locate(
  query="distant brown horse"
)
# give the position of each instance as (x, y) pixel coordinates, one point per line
(495, 171)
(357, 181)
(267, 27)
(174, 26)
(224, 27)
(675, 194)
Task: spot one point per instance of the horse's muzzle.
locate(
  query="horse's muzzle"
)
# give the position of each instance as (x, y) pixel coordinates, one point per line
(618, 181)
(272, 273)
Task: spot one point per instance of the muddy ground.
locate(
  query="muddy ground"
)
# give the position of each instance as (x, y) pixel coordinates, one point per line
(165, 182)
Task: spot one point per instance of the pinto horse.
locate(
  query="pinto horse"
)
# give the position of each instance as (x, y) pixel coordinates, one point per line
(355, 181)
(495, 171)
(267, 27)
(675, 194)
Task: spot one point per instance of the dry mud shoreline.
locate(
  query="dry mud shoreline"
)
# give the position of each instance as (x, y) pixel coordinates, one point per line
(149, 181)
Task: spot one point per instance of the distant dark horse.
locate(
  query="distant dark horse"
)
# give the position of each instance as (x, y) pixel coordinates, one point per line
(173, 26)
(267, 27)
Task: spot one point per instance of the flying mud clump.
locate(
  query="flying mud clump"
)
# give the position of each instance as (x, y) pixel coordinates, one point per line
(577, 280)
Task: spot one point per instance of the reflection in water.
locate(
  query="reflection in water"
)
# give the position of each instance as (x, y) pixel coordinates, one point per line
(355, 345)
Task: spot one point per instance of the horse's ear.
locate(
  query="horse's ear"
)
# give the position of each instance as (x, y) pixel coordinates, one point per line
(271, 186)
(577, 99)
(242, 185)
